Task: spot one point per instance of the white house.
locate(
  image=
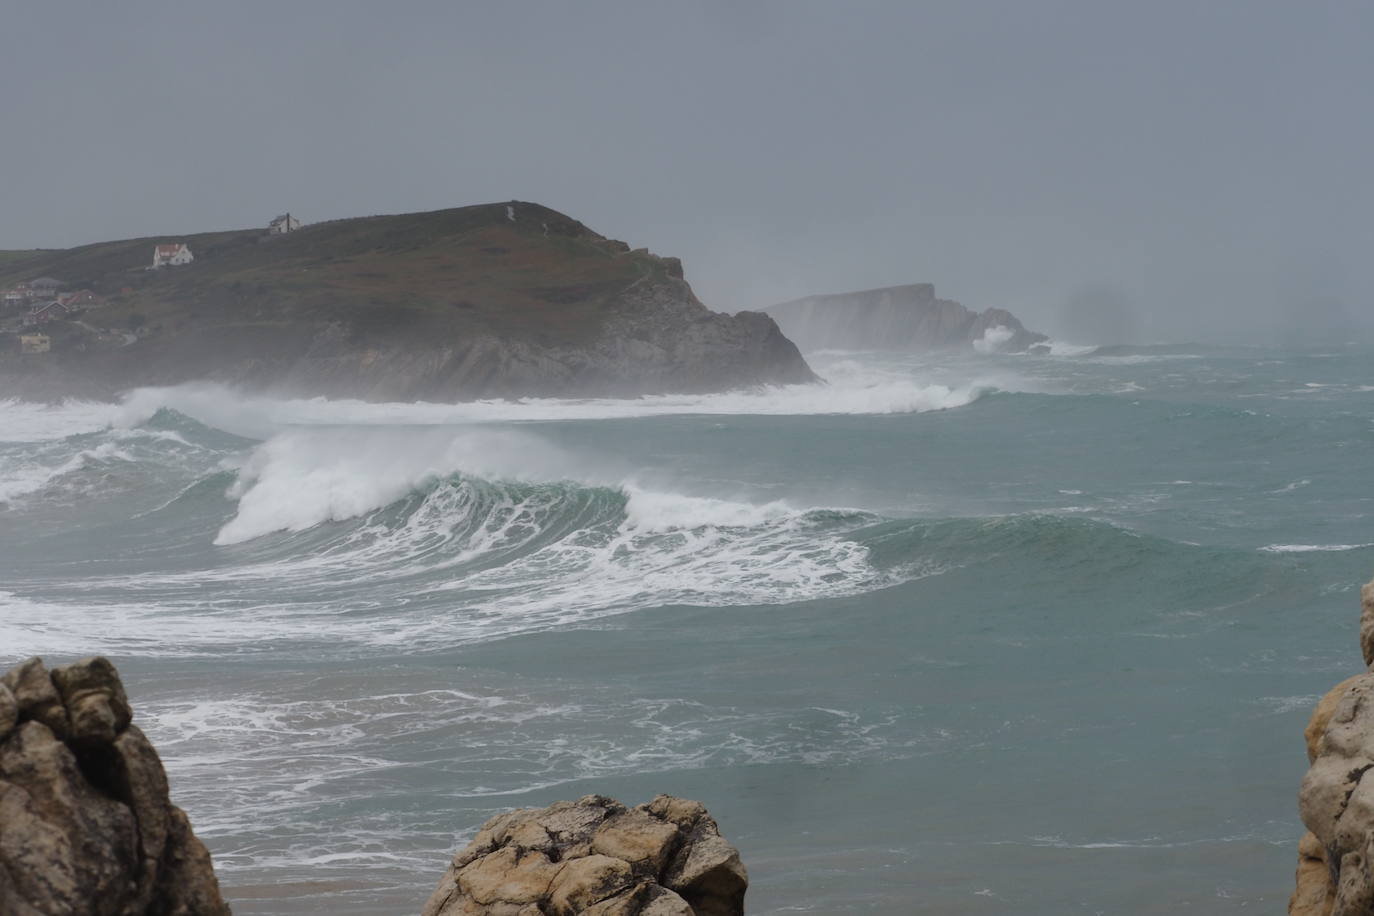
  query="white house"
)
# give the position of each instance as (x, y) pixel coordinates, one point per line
(283, 224)
(173, 255)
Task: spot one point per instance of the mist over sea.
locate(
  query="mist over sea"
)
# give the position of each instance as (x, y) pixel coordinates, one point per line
(973, 634)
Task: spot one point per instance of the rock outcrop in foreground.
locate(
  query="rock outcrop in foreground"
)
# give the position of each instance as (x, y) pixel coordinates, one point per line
(86, 825)
(596, 857)
(899, 318)
(1335, 875)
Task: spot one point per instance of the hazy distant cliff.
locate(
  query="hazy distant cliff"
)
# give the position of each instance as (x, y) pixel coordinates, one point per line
(898, 318)
(506, 299)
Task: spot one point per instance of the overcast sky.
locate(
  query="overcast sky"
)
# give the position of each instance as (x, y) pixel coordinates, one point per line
(1203, 167)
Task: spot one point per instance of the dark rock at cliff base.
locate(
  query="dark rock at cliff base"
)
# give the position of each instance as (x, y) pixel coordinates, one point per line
(495, 300)
(899, 318)
(86, 824)
(596, 857)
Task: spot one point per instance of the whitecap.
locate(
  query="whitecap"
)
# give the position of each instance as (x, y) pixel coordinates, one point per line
(1312, 548)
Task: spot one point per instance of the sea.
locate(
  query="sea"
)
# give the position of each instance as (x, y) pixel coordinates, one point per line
(951, 634)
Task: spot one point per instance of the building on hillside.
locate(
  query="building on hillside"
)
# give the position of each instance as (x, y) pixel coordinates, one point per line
(81, 299)
(44, 312)
(283, 224)
(34, 343)
(16, 294)
(45, 286)
(173, 255)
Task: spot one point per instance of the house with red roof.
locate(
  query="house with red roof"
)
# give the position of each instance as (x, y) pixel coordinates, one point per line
(173, 255)
(44, 312)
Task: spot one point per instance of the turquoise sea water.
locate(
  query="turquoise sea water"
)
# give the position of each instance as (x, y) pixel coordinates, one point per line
(983, 634)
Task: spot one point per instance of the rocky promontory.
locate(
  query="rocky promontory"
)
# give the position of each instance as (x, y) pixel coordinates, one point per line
(86, 824)
(1335, 875)
(899, 318)
(495, 300)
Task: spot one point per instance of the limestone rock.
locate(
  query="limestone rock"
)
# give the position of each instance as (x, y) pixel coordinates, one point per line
(86, 824)
(595, 857)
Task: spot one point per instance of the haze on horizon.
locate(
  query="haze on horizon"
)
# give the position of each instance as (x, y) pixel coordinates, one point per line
(1180, 171)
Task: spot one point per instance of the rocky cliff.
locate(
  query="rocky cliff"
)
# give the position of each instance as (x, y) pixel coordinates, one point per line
(497, 300)
(898, 318)
(86, 824)
(1335, 875)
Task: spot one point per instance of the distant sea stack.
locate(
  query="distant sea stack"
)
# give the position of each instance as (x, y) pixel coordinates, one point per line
(497, 300)
(899, 318)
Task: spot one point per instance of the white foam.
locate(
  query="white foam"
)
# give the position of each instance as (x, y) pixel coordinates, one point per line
(305, 477)
(1311, 548)
(250, 764)
(1063, 348)
(32, 475)
(24, 421)
(649, 512)
(851, 391)
(993, 339)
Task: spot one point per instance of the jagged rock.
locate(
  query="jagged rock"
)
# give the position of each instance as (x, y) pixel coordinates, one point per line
(595, 857)
(37, 697)
(1336, 860)
(86, 824)
(97, 709)
(1336, 801)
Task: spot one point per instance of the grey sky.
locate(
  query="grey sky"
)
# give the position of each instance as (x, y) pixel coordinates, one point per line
(1201, 162)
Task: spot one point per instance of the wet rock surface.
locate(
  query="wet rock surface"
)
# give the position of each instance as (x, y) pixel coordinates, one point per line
(596, 856)
(86, 822)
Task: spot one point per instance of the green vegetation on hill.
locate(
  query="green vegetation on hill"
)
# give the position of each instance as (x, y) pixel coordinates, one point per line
(9, 257)
(542, 276)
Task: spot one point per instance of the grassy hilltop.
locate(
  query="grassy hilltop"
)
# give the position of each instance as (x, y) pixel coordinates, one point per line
(541, 302)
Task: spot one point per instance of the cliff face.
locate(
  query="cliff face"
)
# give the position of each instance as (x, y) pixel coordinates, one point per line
(493, 300)
(1335, 875)
(898, 318)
